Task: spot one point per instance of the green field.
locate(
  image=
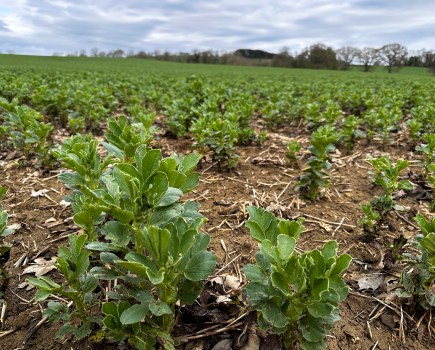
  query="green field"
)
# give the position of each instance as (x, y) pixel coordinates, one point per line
(138, 66)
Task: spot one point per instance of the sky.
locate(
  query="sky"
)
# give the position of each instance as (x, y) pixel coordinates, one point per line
(44, 27)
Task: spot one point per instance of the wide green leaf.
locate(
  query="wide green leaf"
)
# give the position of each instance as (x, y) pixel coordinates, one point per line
(254, 273)
(200, 266)
(286, 246)
(312, 330)
(340, 265)
(134, 314)
(320, 309)
(148, 164)
(171, 196)
(157, 244)
(160, 308)
(273, 315)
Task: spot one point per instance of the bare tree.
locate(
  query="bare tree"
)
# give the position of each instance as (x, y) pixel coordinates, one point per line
(118, 53)
(94, 52)
(367, 57)
(346, 55)
(392, 55)
(283, 58)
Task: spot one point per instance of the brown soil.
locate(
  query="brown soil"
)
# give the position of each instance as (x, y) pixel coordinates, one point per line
(262, 177)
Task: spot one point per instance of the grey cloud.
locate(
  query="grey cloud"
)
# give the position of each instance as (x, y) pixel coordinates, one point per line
(45, 26)
(3, 27)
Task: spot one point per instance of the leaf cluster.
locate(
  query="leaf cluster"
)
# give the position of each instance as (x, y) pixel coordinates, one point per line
(136, 232)
(418, 277)
(315, 176)
(295, 294)
(25, 129)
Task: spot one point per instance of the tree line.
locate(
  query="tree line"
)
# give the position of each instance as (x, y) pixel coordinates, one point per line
(392, 56)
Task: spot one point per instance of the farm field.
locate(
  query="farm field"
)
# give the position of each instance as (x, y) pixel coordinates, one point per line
(77, 135)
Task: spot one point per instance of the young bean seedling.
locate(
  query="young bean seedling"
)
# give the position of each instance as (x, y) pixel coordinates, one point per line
(295, 294)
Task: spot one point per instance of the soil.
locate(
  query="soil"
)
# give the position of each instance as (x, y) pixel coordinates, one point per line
(370, 318)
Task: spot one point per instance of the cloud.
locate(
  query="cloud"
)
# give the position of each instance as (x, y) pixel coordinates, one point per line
(47, 26)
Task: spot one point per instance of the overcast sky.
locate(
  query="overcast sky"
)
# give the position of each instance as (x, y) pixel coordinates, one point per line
(43, 27)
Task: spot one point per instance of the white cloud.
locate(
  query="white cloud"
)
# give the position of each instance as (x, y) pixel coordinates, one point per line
(46, 26)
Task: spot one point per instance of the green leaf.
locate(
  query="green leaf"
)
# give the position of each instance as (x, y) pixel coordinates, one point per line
(428, 243)
(319, 285)
(262, 224)
(311, 329)
(125, 182)
(117, 232)
(157, 243)
(156, 277)
(254, 273)
(110, 322)
(189, 291)
(64, 330)
(175, 178)
(143, 296)
(72, 179)
(190, 183)
(160, 308)
(329, 250)
(200, 266)
(320, 309)
(291, 228)
(110, 308)
(42, 295)
(171, 196)
(102, 247)
(83, 219)
(90, 284)
(149, 164)
(405, 185)
(134, 267)
(112, 149)
(279, 282)
(189, 162)
(122, 215)
(286, 246)
(164, 215)
(103, 273)
(134, 314)
(273, 315)
(83, 331)
(340, 265)
(157, 188)
(44, 283)
(130, 170)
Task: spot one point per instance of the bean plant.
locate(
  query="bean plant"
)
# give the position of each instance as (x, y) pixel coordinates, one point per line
(4, 247)
(370, 220)
(428, 151)
(418, 277)
(350, 132)
(293, 147)
(381, 122)
(296, 295)
(26, 130)
(315, 177)
(387, 175)
(218, 135)
(135, 232)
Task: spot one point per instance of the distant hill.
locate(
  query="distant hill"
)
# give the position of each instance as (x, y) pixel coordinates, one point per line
(254, 54)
